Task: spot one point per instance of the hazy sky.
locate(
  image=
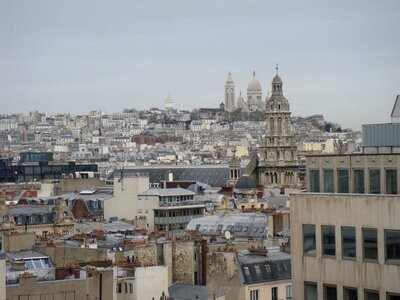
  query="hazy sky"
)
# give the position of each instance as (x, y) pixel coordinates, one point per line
(337, 58)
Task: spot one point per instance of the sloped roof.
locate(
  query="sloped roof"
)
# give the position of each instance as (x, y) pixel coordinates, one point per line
(396, 108)
(257, 268)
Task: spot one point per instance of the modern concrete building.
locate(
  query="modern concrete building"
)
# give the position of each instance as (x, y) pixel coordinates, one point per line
(345, 246)
(2, 276)
(353, 173)
(169, 209)
(127, 187)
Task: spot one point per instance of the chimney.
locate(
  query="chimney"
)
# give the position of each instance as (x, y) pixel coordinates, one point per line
(204, 251)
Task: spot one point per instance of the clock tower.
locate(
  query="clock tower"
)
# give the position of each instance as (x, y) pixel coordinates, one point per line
(278, 151)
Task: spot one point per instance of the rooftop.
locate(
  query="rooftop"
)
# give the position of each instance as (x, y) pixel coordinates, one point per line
(167, 192)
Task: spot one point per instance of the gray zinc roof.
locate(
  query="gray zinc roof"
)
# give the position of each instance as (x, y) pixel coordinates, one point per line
(242, 225)
(167, 192)
(259, 268)
(214, 175)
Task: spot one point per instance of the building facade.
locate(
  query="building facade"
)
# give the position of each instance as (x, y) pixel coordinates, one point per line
(278, 150)
(345, 246)
(230, 94)
(353, 173)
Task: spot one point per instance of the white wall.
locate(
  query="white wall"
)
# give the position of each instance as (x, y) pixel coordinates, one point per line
(124, 204)
(2, 277)
(150, 282)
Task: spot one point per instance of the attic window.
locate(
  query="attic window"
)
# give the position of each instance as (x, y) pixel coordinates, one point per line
(268, 269)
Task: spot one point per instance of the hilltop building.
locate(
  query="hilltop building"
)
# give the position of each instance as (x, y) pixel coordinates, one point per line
(254, 96)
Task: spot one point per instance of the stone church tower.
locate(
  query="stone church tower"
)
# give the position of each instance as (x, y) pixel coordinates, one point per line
(278, 151)
(229, 94)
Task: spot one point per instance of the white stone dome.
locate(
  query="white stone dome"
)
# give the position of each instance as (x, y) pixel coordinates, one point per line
(254, 84)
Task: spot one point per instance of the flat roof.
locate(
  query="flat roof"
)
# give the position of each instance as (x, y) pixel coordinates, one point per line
(167, 192)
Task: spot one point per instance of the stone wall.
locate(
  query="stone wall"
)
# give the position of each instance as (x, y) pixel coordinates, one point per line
(77, 289)
(62, 256)
(179, 258)
(222, 275)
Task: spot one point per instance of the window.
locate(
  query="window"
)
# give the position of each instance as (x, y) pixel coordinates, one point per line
(350, 293)
(328, 181)
(274, 293)
(391, 181)
(314, 181)
(126, 288)
(119, 288)
(254, 295)
(288, 292)
(310, 291)
(343, 181)
(392, 245)
(371, 295)
(358, 181)
(328, 241)
(268, 269)
(131, 288)
(349, 242)
(374, 181)
(391, 296)
(330, 292)
(309, 244)
(370, 243)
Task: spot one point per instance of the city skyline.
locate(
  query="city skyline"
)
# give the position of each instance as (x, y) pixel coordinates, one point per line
(80, 56)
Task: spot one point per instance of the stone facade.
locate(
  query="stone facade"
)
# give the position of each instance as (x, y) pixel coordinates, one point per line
(179, 258)
(278, 151)
(229, 94)
(222, 275)
(99, 286)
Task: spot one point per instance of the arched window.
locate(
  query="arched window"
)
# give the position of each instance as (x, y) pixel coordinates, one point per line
(279, 126)
(272, 126)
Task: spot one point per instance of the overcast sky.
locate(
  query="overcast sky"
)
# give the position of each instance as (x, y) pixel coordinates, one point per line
(337, 58)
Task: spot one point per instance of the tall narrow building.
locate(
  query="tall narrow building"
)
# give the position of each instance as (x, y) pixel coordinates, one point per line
(278, 151)
(229, 94)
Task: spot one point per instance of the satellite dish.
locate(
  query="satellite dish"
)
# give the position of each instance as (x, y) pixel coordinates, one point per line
(227, 235)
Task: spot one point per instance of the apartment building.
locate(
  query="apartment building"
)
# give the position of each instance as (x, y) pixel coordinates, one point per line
(345, 246)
